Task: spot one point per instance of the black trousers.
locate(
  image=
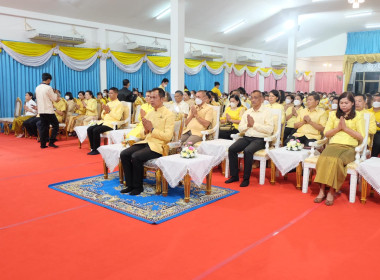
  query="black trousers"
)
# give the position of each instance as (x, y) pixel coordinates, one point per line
(304, 140)
(226, 134)
(93, 133)
(31, 125)
(376, 145)
(249, 145)
(133, 160)
(46, 121)
(288, 132)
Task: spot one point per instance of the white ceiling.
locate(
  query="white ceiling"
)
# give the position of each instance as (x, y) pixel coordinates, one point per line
(207, 19)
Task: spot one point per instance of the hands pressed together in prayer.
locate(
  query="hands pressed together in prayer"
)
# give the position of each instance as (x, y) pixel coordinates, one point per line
(148, 126)
(106, 108)
(250, 121)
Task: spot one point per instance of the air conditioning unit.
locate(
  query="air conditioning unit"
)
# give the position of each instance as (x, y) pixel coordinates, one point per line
(54, 37)
(247, 60)
(205, 54)
(133, 46)
(279, 64)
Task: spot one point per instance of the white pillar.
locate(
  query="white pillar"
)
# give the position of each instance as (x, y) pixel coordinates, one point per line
(177, 45)
(102, 40)
(292, 55)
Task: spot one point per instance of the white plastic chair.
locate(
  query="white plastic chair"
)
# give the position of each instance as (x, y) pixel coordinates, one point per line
(361, 155)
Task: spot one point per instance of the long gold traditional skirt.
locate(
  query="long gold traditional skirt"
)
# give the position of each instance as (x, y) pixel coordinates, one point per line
(74, 121)
(332, 165)
(17, 123)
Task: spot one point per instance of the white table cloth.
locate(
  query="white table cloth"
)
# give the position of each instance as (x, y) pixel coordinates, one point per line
(286, 160)
(370, 170)
(111, 154)
(81, 132)
(174, 168)
(117, 136)
(217, 148)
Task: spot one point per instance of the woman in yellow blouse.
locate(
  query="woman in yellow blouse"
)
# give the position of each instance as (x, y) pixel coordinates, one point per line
(232, 115)
(345, 130)
(100, 99)
(274, 98)
(79, 111)
(292, 114)
(91, 106)
(70, 105)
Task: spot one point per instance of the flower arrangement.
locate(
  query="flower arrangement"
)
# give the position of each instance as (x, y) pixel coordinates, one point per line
(188, 152)
(294, 145)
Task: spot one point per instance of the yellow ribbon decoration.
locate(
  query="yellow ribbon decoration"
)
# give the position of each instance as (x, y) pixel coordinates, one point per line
(253, 69)
(128, 58)
(278, 71)
(28, 49)
(192, 63)
(215, 64)
(160, 61)
(239, 66)
(78, 53)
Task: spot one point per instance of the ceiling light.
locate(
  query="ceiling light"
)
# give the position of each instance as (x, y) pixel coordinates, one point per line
(303, 42)
(163, 13)
(355, 3)
(289, 24)
(376, 25)
(359, 14)
(274, 36)
(233, 27)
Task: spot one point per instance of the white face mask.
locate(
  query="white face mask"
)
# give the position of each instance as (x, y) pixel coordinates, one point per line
(324, 96)
(67, 97)
(288, 101)
(104, 94)
(266, 102)
(376, 104)
(198, 101)
(192, 97)
(233, 104)
(297, 102)
(334, 106)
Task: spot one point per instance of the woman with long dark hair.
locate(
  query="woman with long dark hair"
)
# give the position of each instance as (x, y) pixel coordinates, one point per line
(345, 130)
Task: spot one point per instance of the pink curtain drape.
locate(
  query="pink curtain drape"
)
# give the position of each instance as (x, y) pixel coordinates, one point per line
(329, 81)
(234, 81)
(251, 84)
(302, 85)
(269, 83)
(281, 84)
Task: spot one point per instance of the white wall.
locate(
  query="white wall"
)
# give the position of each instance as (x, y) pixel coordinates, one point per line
(334, 46)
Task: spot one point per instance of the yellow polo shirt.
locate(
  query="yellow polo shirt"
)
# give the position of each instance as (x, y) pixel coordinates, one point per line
(342, 137)
(217, 91)
(372, 120)
(114, 115)
(377, 117)
(318, 116)
(290, 122)
(205, 112)
(234, 114)
(163, 129)
(61, 105)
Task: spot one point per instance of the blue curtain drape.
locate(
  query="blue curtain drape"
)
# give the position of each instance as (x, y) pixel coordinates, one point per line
(16, 79)
(366, 42)
(115, 77)
(151, 80)
(204, 80)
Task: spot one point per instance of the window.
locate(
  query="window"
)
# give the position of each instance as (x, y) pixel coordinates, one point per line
(367, 82)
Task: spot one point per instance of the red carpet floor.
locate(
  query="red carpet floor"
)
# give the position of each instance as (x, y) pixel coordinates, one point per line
(264, 232)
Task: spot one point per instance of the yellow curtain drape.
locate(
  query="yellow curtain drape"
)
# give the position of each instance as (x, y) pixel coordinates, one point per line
(349, 61)
(127, 58)
(79, 53)
(252, 68)
(278, 71)
(265, 70)
(214, 64)
(160, 61)
(192, 63)
(28, 49)
(239, 66)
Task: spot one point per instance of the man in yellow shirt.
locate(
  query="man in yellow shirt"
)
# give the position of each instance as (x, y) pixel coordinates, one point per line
(376, 139)
(158, 131)
(310, 122)
(256, 124)
(60, 107)
(216, 89)
(111, 113)
(199, 119)
(164, 84)
(360, 102)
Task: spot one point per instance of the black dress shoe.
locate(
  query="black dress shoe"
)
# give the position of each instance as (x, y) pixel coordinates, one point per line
(94, 152)
(127, 190)
(231, 180)
(43, 147)
(53, 145)
(136, 191)
(245, 183)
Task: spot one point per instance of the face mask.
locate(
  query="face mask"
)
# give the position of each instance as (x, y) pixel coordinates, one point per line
(67, 97)
(334, 106)
(104, 94)
(288, 101)
(192, 97)
(198, 101)
(266, 102)
(376, 104)
(233, 105)
(324, 96)
(297, 102)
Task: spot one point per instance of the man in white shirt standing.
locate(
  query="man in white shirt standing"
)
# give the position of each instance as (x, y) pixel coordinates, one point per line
(256, 124)
(45, 97)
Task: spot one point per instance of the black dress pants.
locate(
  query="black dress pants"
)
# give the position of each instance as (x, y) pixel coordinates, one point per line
(249, 145)
(133, 160)
(304, 140)
(288, 132)
(376, 145)
(31, 125)
(46, 121)
(226, 134)
(93, 133)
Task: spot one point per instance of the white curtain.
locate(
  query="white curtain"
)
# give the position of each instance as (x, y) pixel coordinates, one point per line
(157, 70)
(132, 68)
(194, 71)
(77, 65)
